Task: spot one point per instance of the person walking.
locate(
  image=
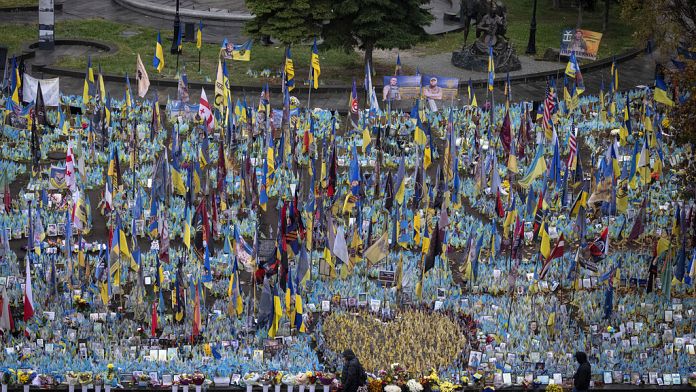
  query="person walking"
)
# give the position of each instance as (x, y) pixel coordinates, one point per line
(353, 375)
(581, 379)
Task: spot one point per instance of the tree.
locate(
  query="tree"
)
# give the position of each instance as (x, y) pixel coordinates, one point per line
(669, 24)
(665, 22)
(288, 21)
(376, 24)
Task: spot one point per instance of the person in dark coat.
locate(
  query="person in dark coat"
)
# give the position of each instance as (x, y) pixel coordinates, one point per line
(581, 379)
(353, 375)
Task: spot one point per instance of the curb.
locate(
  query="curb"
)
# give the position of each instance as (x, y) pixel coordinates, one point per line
(29, 52)
(167, 12)
(58, 6)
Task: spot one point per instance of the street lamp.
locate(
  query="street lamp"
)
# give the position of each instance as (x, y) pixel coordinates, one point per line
(177, 26)
(531, 44)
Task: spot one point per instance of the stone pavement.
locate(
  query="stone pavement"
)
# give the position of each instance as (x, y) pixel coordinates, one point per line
(230, 11)
(634, 72)
(108, 9)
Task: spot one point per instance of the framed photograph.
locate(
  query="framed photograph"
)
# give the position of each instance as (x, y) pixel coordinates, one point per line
(441, 293)
(362, 299)
(52, 230)
(3, 280)
(669, 317)
(352, 302)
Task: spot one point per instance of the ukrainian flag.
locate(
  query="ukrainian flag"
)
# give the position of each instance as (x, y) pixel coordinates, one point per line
(289, 70)
(537, 168)
(187, 228)
(316, 69)
(158, 58)
(242, 52)
(661, 91)
(89, 82)
(199, 35)
(491, 68)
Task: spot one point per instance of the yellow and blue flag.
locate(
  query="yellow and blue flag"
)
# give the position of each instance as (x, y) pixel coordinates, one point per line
(199, 35)
(289, 70)
(661, 91)
(316, 68)
(242, 52)
(158, 58)
(491, 68)
(88, 89)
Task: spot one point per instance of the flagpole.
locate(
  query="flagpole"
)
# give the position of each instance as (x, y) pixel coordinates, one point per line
(309, 98)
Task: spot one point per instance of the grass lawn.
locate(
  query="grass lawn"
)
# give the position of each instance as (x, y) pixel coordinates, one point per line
(18, 3)
(550, 23)
(336, 66)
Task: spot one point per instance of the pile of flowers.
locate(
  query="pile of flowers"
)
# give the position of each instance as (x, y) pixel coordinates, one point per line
(326, 378)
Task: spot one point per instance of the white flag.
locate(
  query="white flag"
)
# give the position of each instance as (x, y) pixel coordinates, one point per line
(50, 89)
(340, 248)
(142, 78)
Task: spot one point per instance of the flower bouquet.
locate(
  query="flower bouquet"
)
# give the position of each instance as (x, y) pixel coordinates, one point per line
(7, 377)
(250, 379)
(267, 379)
(25, 377)
(414, 386)
(374, 385)
(185, 380)
(72, 379)
(198, 379)
(143, 379)
(289, 380)
(277, 380)
(326, 379)
(392, 388)
(44, 380)
(98, 381)
(554, 388)
(302, 380)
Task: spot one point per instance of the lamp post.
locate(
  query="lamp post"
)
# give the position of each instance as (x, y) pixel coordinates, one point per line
(531, 44)
(177, 26)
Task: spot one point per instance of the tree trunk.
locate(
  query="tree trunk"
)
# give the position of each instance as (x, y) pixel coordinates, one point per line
(605, 21)
(556, 4)
(579, 24)
(369, 47)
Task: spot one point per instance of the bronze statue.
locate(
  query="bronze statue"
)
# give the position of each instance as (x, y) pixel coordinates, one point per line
(491, 27)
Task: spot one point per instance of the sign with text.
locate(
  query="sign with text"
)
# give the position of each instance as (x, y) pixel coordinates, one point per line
(584, 43)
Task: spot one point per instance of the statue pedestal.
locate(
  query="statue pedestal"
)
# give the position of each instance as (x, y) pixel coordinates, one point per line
(472, 59)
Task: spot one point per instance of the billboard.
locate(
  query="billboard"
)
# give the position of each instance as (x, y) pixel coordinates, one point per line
(439, 87)
(584, 43)
(401, 87)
